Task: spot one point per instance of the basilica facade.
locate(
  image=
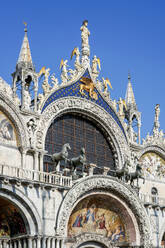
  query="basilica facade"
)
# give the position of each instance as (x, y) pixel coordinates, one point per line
(74, 172)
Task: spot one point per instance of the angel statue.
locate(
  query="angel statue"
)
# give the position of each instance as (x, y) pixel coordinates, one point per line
(64, 71)
(85, 33)
(45, 72)
(106, 82)
(54, 81)
(122, 106)
(77, 60)
(157, 113)
(95, 63)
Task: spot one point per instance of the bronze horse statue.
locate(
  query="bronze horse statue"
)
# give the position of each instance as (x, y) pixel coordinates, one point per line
(123, 172)
(80, 160)
(59, 156)
(135, 175)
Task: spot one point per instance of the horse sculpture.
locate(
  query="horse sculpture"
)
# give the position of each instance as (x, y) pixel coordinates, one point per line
(80, 160)
(123, 173)
(59, 156)
(135, 175)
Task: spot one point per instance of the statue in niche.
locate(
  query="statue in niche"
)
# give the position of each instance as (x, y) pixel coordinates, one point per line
(27, 97)
(77, 60)
(31, 130)
(64, 71)
(85, 34)
(40, 98)
(95, 63)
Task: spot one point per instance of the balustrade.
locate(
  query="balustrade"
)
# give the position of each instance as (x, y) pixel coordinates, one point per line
(29, 242)
(43, 177)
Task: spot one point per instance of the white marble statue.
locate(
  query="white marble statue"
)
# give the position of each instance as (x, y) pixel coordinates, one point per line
(31, 130)
(157, 113)
(64, 71)
(120, 104)
(85, 34)
(27, 98)
(95, 63)
(76, 52)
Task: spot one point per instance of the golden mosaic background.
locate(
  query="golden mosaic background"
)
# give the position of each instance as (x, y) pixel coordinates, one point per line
(94, 216)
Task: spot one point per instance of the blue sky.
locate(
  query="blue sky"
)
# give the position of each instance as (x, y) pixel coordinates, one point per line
(127, 35)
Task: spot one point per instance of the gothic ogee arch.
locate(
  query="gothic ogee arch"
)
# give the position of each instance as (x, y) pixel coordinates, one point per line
(25, 205)
(10, 109)
(89, 109)
(97, 184)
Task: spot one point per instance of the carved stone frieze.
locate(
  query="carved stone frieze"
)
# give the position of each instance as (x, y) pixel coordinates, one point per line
(87, 237)
(109, 184)
(74, 104)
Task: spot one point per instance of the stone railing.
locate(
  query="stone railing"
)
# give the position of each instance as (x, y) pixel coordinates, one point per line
(152, 199)
(43, 177)
(29, 242)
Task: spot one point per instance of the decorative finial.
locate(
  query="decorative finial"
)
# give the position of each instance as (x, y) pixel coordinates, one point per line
(129, 76)
(25, 23)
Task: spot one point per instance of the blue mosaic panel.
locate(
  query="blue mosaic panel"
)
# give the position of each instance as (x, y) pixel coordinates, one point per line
(73, 90)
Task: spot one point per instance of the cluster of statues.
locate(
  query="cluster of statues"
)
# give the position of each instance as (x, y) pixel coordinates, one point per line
(127, 176)
(80, 161)
(73, 162)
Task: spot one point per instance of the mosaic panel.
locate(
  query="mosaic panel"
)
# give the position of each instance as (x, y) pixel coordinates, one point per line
(153, 165)
(94, 215)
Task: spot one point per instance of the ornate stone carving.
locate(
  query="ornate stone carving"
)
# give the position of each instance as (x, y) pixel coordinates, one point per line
(9, 109)
(5, 88)
(108, 184)
(64, 71)
(87, 237)
(31, 125)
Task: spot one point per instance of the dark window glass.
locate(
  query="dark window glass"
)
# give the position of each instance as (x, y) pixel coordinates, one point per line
(78, 132)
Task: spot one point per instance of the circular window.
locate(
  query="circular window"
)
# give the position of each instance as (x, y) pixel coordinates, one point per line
(78, 132)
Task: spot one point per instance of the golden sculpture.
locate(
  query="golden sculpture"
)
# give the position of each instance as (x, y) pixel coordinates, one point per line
(42, 71)
(106, 82)
(88, 86)
(74, 52)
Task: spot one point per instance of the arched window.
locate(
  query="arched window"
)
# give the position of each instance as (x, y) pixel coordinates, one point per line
(154, 193)
(78, 132)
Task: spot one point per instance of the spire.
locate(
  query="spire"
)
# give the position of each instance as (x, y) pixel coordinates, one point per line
(129, 97)
(25, 58)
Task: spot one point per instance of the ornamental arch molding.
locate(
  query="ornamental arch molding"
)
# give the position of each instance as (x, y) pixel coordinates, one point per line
(86, 240)
(108, 184)
(25, 205)
(90, 110)
(152, 148)
(9, 109)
